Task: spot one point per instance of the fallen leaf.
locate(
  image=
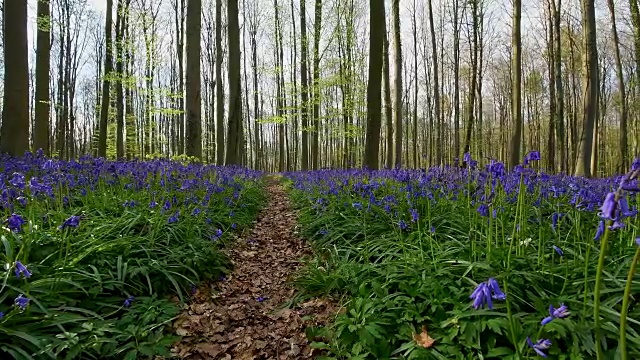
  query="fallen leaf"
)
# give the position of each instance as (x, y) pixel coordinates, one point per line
(423, 339)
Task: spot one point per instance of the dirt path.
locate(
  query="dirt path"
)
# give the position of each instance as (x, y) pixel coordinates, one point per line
(242, 317)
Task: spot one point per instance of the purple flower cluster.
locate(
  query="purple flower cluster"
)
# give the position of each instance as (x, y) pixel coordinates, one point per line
(485, 292)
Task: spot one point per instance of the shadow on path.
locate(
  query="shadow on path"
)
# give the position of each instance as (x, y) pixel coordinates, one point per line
(242, 316)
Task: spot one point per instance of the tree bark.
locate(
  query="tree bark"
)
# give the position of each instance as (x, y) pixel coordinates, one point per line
(108, 69)
(374, 115)
(233, 156)
(41, 132)
(193, 96)
(590, 89)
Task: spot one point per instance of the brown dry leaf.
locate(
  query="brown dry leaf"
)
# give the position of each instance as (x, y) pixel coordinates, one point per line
(423, 339)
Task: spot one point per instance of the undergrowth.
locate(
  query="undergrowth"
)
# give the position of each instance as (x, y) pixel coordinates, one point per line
(97, 255)
(472, 259)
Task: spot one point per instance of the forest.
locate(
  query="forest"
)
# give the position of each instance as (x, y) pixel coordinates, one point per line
(330, 179)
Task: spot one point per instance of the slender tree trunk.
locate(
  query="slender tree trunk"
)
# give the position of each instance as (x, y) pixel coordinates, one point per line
(233, 155)
(473, 80)
(516, 102)
(374, 115)
(624, 146)
(304, 84)
(41, 131)
(590, 89)
(108, 69)
(193, 86)
(219, 89)
(317, 27)
(397, 47)
(120, 26)
(436, 86)
(388, 107)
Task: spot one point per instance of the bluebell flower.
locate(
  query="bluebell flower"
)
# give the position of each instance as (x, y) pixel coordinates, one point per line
(558, 250)
(128, 301)
(174, 218)
(216, 235)
(433, 230)
(608, 208)
(531, 156)
(22, 270)
(638, 241)
(559, 313)
(485, 292)
(540, 346)
(481, 296)
(1, 315)
(15, 222)
(483, 210)
(234, 226)
(72, 222)
(21, 301)
(617, 224)
(403, 225)
(18, 181)
(196, 212)
(261, 299)
(554, 220)
(153, 204)
(495, 287)
(414, 215)
(599, 230)
(635, 166)
(357, 205)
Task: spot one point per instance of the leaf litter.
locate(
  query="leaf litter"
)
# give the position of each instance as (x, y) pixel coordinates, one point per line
(242, 317)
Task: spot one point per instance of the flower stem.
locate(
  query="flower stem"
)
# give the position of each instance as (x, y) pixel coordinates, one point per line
(596, 294)
(512, 328)
(625, 306)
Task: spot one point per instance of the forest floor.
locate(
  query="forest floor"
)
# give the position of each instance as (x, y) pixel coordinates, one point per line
(245, 316)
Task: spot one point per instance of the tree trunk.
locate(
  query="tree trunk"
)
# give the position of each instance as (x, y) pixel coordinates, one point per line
(219, 89)
(624, 151)
(374, 115)
(397, 47)
(194, 123)
(516, 102)
(304, 84)
(317, 27)
(108, 69)
(590, 89)
(43, 58)
(388, 107)
(233, 155)
(436, 85)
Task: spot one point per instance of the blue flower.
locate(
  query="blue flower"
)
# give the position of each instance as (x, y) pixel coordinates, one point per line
(608, 208)
(21, 270)
(21, 301)
(483, 210)
(495, 287)
(357, 205)
(15, 222)
(403, 225)
(128, 301)
(599, 231)
(261, 299)
(531, 156)
(540, 346)
(196, 212)
(559, 313)
(72, 222)
(174, 217)
(414, 215)
(558, 250)
(485, 292)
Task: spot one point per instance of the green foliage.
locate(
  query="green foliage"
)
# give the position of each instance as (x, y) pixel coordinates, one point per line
(397, 281)
(108, 288)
